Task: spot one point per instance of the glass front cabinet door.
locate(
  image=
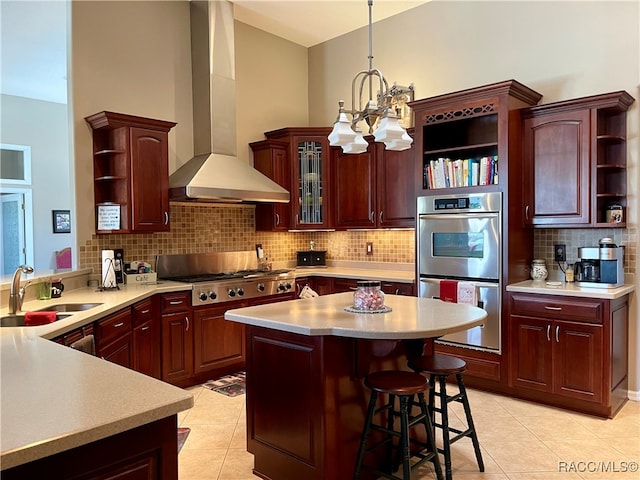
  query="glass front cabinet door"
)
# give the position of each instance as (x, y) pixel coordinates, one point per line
(309, 193)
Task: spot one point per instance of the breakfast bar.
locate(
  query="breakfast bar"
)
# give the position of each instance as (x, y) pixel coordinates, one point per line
(305, 362)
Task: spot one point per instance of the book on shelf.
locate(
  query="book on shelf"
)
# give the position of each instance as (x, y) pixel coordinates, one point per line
(461, 172)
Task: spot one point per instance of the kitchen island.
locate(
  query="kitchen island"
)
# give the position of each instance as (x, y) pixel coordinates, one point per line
(306, 360)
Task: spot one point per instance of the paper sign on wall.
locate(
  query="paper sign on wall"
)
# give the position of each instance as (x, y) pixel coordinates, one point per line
(108, 217)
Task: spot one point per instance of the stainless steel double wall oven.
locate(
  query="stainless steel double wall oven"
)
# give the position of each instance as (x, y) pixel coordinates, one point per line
(459, 237)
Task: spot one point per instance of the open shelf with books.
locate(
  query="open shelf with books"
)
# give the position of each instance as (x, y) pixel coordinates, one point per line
(465, 136)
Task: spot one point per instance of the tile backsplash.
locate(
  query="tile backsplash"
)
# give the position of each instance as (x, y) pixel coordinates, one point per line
(197, 228)
(545, 239)
(224, 228)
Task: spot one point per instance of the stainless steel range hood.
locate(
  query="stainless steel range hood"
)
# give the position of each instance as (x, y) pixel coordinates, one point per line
(215, 174)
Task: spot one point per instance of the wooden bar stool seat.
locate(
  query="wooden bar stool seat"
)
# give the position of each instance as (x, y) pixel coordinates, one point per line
(406, 386)
(439, 367)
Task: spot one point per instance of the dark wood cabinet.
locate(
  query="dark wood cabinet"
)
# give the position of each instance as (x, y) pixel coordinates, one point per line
(575, 161)
(114, 338)
(304, 151)
(569, 351)
(131, 171)
(219, 344)
(271, 157)
(374, 189)
(177, 337)
(147, 338)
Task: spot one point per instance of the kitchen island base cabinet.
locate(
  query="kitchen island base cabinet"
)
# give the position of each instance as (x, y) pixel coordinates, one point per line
(147, 452)
(306, 402)
(570, 352)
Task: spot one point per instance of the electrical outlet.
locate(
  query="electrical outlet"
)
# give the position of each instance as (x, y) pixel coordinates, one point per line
(560, 253)
(369, 248)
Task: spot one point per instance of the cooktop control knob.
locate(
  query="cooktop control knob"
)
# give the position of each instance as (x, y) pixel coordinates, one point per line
(261, 287)
(240, 291)
(232, 292)
(202, 296)
(287, 286)
(213, 295)
(281, 287)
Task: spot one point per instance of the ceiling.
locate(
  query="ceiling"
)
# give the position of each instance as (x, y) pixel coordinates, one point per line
(310, 22)
(33, 51)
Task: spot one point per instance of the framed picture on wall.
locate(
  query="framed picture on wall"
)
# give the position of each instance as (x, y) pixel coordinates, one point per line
(61, 221)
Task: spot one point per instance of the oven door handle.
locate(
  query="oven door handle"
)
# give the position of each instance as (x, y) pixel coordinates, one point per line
(457, 216)
(475, 283)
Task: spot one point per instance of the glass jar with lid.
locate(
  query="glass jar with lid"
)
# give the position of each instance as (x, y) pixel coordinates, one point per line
(539, 269)
(368, 296)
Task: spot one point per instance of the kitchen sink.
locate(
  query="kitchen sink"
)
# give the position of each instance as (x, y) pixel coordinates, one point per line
(18, 320)
(69, 307)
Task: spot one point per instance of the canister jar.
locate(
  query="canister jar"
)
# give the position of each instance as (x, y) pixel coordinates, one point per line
(368, 296)
(539, 269)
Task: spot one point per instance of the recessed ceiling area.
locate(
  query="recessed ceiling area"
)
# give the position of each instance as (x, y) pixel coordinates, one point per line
(34, 34)
(311, 22)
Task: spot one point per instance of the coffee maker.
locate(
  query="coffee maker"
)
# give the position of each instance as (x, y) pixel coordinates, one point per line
(600, 266)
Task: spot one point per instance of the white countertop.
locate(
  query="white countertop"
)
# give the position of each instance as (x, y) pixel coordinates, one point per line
(570, 289)
(111, 300)
(54, 398)
(411, 317)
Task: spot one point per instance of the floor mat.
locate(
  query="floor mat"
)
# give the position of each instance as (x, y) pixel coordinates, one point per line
(229, 385)
(183, 433)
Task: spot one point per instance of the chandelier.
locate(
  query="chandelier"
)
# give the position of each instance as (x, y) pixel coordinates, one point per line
(378, 112)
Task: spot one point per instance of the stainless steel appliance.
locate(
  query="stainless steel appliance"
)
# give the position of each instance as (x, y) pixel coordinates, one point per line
(459, 237)
(600, 266)
(224, 277)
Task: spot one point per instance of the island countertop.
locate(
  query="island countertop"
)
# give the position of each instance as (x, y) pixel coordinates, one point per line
(410, 317)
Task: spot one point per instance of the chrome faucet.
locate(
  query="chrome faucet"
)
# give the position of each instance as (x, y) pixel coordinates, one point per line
(16, 294)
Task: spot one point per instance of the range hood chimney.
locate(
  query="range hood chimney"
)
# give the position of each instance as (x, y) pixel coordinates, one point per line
(215, 174)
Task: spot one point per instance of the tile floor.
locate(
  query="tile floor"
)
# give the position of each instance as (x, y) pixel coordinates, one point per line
(519, 441)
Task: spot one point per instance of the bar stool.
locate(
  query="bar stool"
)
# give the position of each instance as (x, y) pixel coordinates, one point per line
(439, 367)
(405, 385)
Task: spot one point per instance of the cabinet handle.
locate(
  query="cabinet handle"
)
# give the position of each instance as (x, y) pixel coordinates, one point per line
(145, 328)
(297, 219)
(557, 309)
(526, 212)
(187, 320)
(557, 333)
(372, 216)
(175, 302)
(166, 218)
(118, 325)
(380, 216)
(277, 219)
(143, 312)
(548, 333)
